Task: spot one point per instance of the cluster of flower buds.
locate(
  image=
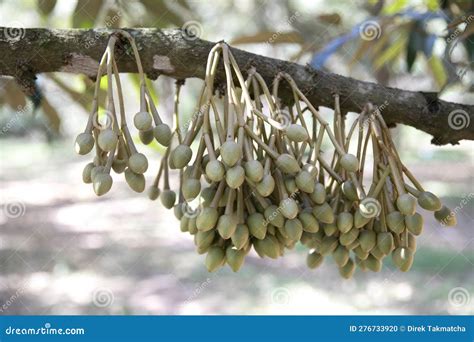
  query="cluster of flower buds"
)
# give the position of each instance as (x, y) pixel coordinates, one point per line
(114, 146)
(256, 170)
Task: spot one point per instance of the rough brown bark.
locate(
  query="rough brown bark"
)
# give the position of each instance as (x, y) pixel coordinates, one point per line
(168, 52)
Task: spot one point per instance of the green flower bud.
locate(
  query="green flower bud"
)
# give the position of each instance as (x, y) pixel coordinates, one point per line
(429, 201)
(138, 163)
(162, 134)
(314, 259)
(142, 121)
(349, 162)
(215, 170)
(146, 137)
(215, 258)
(107, 139)
(86, 173)
(231, 153)
(134, 180)
(287, 164)
(254, 170)
(266, 186)
(406, 204)
(297, 133)
(181, 156)
(102, 183)
(168, 197)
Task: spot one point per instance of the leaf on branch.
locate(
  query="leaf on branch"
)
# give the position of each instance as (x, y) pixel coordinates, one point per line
(391, 53)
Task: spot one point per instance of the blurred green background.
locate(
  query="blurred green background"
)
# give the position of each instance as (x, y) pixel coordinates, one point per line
(64, 251)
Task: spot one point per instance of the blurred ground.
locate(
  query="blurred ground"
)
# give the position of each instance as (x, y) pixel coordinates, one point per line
(64, 251)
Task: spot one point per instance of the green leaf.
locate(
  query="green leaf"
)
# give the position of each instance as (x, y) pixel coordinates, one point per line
(437, 68)
(391, 53)
(416, 41)
(86, 12)
(411, 57)
(270, 37)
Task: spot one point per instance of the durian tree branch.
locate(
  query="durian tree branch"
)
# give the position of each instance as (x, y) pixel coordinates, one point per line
(27, 52)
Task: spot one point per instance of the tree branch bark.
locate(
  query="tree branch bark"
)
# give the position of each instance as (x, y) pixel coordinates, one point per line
(27, 52)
